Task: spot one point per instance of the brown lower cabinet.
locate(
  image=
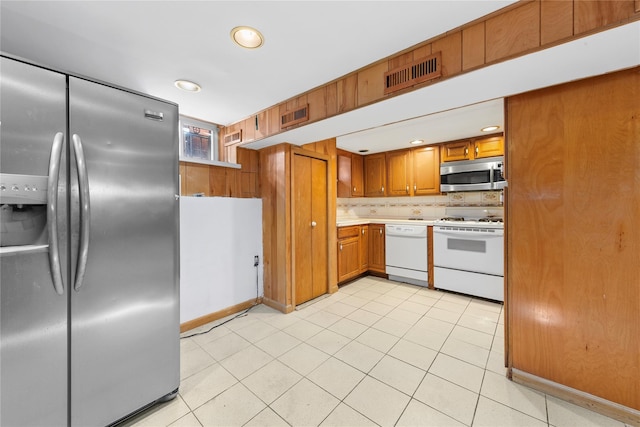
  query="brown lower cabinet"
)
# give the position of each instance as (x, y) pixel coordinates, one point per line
(360, 250)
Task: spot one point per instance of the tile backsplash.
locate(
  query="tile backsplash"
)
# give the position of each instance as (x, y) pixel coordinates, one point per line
(427, 207)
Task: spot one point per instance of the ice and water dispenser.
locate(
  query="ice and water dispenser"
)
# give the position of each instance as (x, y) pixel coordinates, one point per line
(23, 210)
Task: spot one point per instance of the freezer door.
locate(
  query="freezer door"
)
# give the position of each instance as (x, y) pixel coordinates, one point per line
(33, 316)
(124, 310)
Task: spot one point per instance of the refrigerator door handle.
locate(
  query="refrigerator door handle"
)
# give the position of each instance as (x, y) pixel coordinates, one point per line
(52, 212)
(85, 211)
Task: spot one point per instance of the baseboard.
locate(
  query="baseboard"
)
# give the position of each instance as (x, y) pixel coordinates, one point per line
(597, 404)
(203, 320)
(277, 305)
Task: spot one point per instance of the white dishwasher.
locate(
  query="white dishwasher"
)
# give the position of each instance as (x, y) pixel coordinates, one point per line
(406, 253)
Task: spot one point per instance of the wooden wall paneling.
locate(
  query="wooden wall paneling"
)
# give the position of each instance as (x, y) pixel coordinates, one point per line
(302, 215)
(451, 48)
(400, 60)
(637, 6)
(262, 128)
(513, 32)
(556, 20)
(371, 83)
(473, 46)
(422, 51)
(317, 104)
(197, 179)
(347, 92)
(572, 309)
(275, 176)
(273, 120)
(218, 181)
(249, 129)
(590, 15)
(183, 177)
(248, 178)
(332, 98)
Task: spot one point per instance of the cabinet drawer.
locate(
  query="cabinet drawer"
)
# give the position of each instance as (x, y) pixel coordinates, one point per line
(351, 231)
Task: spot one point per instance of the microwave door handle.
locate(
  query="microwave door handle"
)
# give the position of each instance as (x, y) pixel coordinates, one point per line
(52, 213)
(85, 211)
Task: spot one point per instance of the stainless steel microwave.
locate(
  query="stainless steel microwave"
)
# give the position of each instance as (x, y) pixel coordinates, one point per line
(473, 175)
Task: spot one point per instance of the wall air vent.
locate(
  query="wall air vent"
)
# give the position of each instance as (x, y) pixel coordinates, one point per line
(233, 138)
(411, 74)
(294, 117)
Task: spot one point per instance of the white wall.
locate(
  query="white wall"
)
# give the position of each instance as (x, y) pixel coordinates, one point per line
(219, 236)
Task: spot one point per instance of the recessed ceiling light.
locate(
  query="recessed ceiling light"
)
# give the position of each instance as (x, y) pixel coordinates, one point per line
(416, 141)
(490, 128)
(187, 85)
(247, 37)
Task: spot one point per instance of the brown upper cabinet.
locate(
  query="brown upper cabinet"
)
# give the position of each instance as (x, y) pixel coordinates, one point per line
(474, 148)
(413, 172)
(350, 174)
(375, 173)
(426, 170)
(399, 173)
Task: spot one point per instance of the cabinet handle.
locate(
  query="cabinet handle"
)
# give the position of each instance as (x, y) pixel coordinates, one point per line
(380, 230)
(313, 223)
(407, 188)
(340, 247)
(476, 150)
(466, 152)
(354, 189)
(363, 231)
(382, 189)
(415, 187)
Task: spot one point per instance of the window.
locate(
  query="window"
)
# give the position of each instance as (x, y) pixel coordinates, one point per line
(198, 139)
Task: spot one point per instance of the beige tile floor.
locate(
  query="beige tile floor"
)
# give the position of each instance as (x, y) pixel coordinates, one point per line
(376, 352)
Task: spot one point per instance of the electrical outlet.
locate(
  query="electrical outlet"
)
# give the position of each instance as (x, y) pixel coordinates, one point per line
(256, 261)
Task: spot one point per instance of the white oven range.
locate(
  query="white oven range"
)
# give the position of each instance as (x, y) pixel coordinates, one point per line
(468, 257)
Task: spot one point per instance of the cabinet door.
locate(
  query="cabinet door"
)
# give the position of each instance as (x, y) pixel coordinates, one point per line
(459, 150)
(426, 171)
(357, 177)
(364, 248)
(488, 147)
(375, 173)
(376, 248)
(398, 173)
(348, 258)
(344, 176)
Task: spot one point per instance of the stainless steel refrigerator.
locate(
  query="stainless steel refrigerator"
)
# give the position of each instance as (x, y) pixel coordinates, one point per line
(89, 316)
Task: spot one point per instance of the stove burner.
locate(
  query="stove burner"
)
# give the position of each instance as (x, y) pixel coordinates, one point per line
(490, 219)
(452, 218)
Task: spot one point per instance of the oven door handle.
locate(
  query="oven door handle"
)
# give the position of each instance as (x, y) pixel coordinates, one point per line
(470, 235)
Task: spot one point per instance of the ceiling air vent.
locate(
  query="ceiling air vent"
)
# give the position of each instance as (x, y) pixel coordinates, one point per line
(233, 138)
(416, 72)
(291, 118)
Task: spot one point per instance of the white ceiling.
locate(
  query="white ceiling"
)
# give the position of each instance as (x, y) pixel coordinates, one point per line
(146, 45)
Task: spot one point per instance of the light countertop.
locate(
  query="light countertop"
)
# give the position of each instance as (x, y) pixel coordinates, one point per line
(343, 222)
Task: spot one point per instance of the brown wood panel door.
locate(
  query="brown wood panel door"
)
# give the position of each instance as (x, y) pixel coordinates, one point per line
(310, 237)
(573, 238)
(488, 147)
(375, 175)
(357, 177)
(458, 150)
(376, 248)
(398, 173)
(319, 227)
(426, 171)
